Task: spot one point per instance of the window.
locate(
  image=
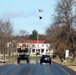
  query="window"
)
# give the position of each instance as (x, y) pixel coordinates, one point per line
(33, 45)
(46, 45)
(33, 50)
(47, 51)
(38, 45)
(42, 50)
(24, 45)
(42, 45)
(21, 51)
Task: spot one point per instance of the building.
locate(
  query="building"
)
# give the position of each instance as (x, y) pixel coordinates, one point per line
(38, 47)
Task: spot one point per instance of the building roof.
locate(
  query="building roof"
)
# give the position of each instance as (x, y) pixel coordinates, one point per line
(35, 41)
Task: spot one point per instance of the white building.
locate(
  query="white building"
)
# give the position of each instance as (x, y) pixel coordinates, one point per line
(38, 47)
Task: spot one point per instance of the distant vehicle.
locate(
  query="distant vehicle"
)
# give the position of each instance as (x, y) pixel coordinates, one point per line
(45, 59)
(22, 53)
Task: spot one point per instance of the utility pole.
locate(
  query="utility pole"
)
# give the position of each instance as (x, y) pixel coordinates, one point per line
(37, 37)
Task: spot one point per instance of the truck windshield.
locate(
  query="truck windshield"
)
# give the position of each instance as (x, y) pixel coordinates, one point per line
(22, 50)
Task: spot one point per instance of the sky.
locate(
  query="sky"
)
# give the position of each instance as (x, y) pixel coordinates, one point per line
(24, 14)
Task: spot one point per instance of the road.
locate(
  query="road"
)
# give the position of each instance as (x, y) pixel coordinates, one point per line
(35, 69)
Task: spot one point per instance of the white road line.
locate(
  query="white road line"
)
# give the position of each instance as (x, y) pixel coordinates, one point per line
(64, 70)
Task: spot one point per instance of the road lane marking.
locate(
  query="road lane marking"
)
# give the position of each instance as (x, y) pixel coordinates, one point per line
(27, 69)
(63, 70)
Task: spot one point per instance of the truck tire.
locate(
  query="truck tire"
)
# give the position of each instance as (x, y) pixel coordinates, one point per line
(50, 63)
(18, 61)
(27, 60)
(40, 62)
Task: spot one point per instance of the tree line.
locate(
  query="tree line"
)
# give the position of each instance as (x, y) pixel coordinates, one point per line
(62, 33)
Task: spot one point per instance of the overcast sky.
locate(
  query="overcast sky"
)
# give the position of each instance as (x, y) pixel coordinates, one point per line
(24, 14)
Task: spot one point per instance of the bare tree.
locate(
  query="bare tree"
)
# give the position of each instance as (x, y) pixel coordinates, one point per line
(62, 33)
(22, 32)
(21, 36)
(6, 30)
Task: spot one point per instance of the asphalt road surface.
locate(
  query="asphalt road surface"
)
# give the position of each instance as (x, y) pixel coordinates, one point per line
(35, 69)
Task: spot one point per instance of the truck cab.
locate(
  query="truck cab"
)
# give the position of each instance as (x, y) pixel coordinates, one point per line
(22, 54)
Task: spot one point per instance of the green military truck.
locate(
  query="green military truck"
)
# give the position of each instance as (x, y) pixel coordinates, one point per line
(22, 52)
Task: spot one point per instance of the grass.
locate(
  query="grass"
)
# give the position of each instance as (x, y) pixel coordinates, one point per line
(34, 57)
(67, 62)
(71, 63)
(13, 58)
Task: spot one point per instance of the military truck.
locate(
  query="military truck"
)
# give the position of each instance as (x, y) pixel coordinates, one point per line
(22, 52)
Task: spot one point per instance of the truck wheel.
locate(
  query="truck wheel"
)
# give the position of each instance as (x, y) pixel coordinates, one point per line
(40, 62)
(50, 63)
(18, 61)
(27, 60)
